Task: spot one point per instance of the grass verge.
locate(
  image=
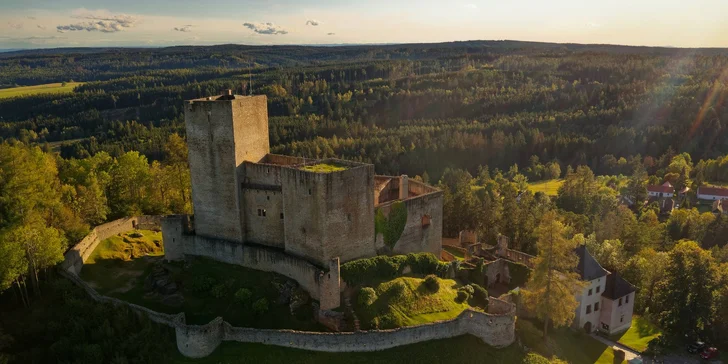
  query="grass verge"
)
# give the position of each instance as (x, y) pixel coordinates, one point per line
(639, 334)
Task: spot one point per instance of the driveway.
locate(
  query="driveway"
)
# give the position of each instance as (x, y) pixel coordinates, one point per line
(629, 354)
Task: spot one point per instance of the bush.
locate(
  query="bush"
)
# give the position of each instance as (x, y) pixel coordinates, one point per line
(202, 283)
(366, 296)
(519, 274)
(219, 290)
(397, 289)
(243, 296)
(462, 296)
(432, 283)
(136, 235)
(381, 267)
(618, 356)
(481, 295)
(260, 306)
(467, 288)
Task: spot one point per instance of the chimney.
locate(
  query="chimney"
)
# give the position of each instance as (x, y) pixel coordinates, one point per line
(403, 187)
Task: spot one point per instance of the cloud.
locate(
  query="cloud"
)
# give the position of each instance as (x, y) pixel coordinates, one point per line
(265, 28)
(43, 27)
(312, 22)
(100, 21)
(593, 25)
(30, 17)
(471, 6)
(330, 33)
(16, 25)
(185, 28)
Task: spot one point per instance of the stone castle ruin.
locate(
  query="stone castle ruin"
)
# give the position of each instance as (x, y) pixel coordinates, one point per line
(294, 216)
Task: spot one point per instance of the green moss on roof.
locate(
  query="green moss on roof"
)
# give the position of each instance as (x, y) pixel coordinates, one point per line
(324, 168)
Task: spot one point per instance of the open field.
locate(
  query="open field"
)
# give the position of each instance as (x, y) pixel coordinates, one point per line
(549, 187)
(49, 88)
(639, 334)
(405, 301)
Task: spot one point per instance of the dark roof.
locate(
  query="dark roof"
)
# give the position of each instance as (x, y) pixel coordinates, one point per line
(617, 287)
(588, 267)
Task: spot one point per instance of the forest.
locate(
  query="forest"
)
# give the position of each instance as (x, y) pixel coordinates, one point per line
(478, 119)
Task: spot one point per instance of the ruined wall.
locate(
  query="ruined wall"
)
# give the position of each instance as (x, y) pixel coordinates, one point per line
(263, 204)
(497, 271)
(416, 237)
(385, 189)
(77, 255)
(329, 215)
(349, 218)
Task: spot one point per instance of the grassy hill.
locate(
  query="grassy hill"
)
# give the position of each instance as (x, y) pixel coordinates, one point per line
(405, 301)
(50, 88)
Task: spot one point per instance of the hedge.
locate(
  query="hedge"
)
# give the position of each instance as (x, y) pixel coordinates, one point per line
(383, 268)
(519, 274)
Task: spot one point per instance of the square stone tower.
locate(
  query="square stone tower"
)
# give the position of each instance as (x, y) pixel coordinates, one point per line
(223, 132)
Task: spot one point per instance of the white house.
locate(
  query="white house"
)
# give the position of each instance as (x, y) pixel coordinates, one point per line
(712, 193)
(607, 301)
(664, 190)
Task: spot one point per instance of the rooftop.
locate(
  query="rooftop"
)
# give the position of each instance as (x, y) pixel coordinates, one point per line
(588, 267)
(617, 287)
(324, 167)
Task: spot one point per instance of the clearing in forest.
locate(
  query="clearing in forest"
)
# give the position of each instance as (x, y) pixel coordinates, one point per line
(549, 187)
(49, 88)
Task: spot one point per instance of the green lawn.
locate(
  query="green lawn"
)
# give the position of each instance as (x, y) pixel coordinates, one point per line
(573, 346)
(413, 306)
(50, 88)
(456, 252)
(462, 349)
(323, 168)
(639, 334)
(549, 187)
(112, 271)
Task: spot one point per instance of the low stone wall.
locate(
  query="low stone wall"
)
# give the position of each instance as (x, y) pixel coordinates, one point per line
(79, 253)
(495, 328)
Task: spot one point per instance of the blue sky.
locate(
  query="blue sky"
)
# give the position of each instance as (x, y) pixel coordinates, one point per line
(63, 23)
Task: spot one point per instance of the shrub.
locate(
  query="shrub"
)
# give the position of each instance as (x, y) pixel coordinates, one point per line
(432, 283)
(260, 306)
(480, 294)
(533, 358)
(519, 274)
(243, 296)
(618, 356)
(462, 296)
(136, 235)
(467, 288)
(381, 267)
(219, 290)
(397, 289)
(366, 296)
(202, 283)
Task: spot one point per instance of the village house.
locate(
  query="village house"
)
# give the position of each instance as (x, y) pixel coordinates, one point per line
(607, 301)
(712, 193)
(664, 190)
(720, 207)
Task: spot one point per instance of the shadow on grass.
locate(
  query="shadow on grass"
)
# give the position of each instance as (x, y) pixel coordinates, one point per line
(569, 345)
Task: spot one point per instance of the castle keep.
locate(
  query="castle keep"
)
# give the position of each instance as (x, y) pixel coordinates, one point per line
(264, 211)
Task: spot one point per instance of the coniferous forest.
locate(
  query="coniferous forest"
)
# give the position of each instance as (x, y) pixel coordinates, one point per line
(479, 119)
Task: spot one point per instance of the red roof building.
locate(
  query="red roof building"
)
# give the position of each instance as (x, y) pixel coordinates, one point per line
(665, 188)
(712, 193)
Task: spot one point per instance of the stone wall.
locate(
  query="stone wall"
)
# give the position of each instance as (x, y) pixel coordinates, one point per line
(221, 136)
(79, 253)
(418, 237)
(495, 328)
(263, 205)
(314, 279)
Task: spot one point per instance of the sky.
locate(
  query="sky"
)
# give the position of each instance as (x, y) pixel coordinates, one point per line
(156, 23)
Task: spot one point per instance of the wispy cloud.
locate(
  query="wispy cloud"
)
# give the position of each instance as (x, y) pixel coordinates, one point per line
(470, 6)
(184, 28)
(265, 28)
(31, 17)
(593, 25)
(313, 22)
(15, 25)
(99, 21)
(43, 27)
(330, 33)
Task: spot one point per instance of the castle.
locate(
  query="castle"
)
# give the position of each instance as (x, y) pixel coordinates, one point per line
(294, 216)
